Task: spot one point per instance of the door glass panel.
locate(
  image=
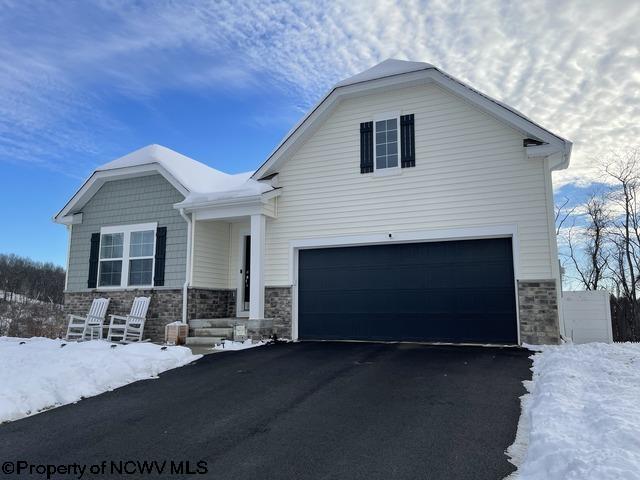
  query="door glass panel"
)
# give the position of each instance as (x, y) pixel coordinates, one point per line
(246, 276)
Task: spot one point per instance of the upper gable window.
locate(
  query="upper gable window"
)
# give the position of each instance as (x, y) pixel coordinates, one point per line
(386, 145)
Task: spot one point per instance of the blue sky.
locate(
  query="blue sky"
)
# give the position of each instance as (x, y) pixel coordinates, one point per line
(82, 83)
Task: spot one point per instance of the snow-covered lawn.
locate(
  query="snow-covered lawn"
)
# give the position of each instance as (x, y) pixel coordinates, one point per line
(581, 417)
(40, 374)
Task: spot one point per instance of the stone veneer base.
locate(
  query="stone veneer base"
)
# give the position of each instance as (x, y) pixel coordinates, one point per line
(539, 320)
(165, 306)
(278, 307)
(538, 304)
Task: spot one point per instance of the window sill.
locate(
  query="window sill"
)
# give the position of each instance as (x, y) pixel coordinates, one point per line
(137, 287)
(387, 172)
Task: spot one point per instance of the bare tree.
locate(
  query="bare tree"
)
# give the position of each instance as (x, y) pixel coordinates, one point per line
(21, 276)
(598, 221)
(624, 170)
(31, 297)
(563, 213)
(586, 244)
(602, 239)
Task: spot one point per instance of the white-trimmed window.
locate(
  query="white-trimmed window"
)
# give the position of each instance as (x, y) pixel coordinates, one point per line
(386, 145)
(127, 255)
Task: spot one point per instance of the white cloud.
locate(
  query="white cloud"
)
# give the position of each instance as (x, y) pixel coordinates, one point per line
(572, 66)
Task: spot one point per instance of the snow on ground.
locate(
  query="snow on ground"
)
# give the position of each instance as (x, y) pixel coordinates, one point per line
(40, 374)
(581, 417)
(228, 345)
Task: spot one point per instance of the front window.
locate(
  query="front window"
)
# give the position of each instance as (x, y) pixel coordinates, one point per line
(141, 258)
(127, 256)
(111, 250)
(386, 132)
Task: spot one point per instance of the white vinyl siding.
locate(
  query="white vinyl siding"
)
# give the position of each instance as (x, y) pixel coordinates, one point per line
(211, 254)
(216, 260)
(471, 171)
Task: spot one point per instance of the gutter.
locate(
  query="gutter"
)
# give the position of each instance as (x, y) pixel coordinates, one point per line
(240, 201)
(565, 156)
(187, 274)
(558, 155)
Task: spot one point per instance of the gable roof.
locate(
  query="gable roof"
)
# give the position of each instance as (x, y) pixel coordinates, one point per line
(201, 184)
(393, 73)
(387, 68)
(194, 180)
(193, 176)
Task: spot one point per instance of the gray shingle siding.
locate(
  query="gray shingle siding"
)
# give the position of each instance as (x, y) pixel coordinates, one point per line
(124, 202)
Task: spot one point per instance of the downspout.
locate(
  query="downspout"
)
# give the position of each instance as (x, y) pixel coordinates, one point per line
(555, 162)
(66, 273)
(187, 275)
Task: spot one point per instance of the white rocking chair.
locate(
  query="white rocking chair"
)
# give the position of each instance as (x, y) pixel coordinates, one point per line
(129, 329)
(89, 327)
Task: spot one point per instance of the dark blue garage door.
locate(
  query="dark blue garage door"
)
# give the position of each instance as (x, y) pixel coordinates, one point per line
(458, 291)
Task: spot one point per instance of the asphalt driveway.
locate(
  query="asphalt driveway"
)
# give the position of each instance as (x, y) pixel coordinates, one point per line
(298, 411)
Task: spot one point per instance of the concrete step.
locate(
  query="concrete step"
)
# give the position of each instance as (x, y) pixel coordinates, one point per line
(204, 341)
(215, 322)
(226, 332)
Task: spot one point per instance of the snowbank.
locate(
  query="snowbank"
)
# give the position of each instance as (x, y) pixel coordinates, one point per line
(581, 417)
(40, 374)
(228, 345)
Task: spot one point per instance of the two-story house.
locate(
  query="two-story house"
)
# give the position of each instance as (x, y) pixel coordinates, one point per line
(404, 206)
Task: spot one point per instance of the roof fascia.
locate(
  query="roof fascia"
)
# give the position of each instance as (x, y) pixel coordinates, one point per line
(495, 108)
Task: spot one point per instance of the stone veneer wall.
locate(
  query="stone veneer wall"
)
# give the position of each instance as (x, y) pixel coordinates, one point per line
(277, 306)
(539, 321)
(206, 303)
(165, 306)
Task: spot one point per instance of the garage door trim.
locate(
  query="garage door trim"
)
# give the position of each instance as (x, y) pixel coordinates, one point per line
(391, 237)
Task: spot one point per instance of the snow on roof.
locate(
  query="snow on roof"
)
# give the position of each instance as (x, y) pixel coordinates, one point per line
(392, 66)
(198, 182)
(206, 184)
(203, 183)
(387, 68)
(248, 188)
(194, 176)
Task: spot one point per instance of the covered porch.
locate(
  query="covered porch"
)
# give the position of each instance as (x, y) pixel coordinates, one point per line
(225, 271)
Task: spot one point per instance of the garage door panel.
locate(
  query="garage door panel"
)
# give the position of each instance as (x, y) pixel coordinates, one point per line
(485, 303)
(406, 328)
(459, 291)
(442, 275)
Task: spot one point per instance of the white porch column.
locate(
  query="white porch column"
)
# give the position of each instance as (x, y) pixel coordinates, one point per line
(256, 289)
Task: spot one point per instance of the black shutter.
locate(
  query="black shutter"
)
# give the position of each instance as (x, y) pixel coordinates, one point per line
(407, 141)
(161, 249)
(94, 254)
(366, 147)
